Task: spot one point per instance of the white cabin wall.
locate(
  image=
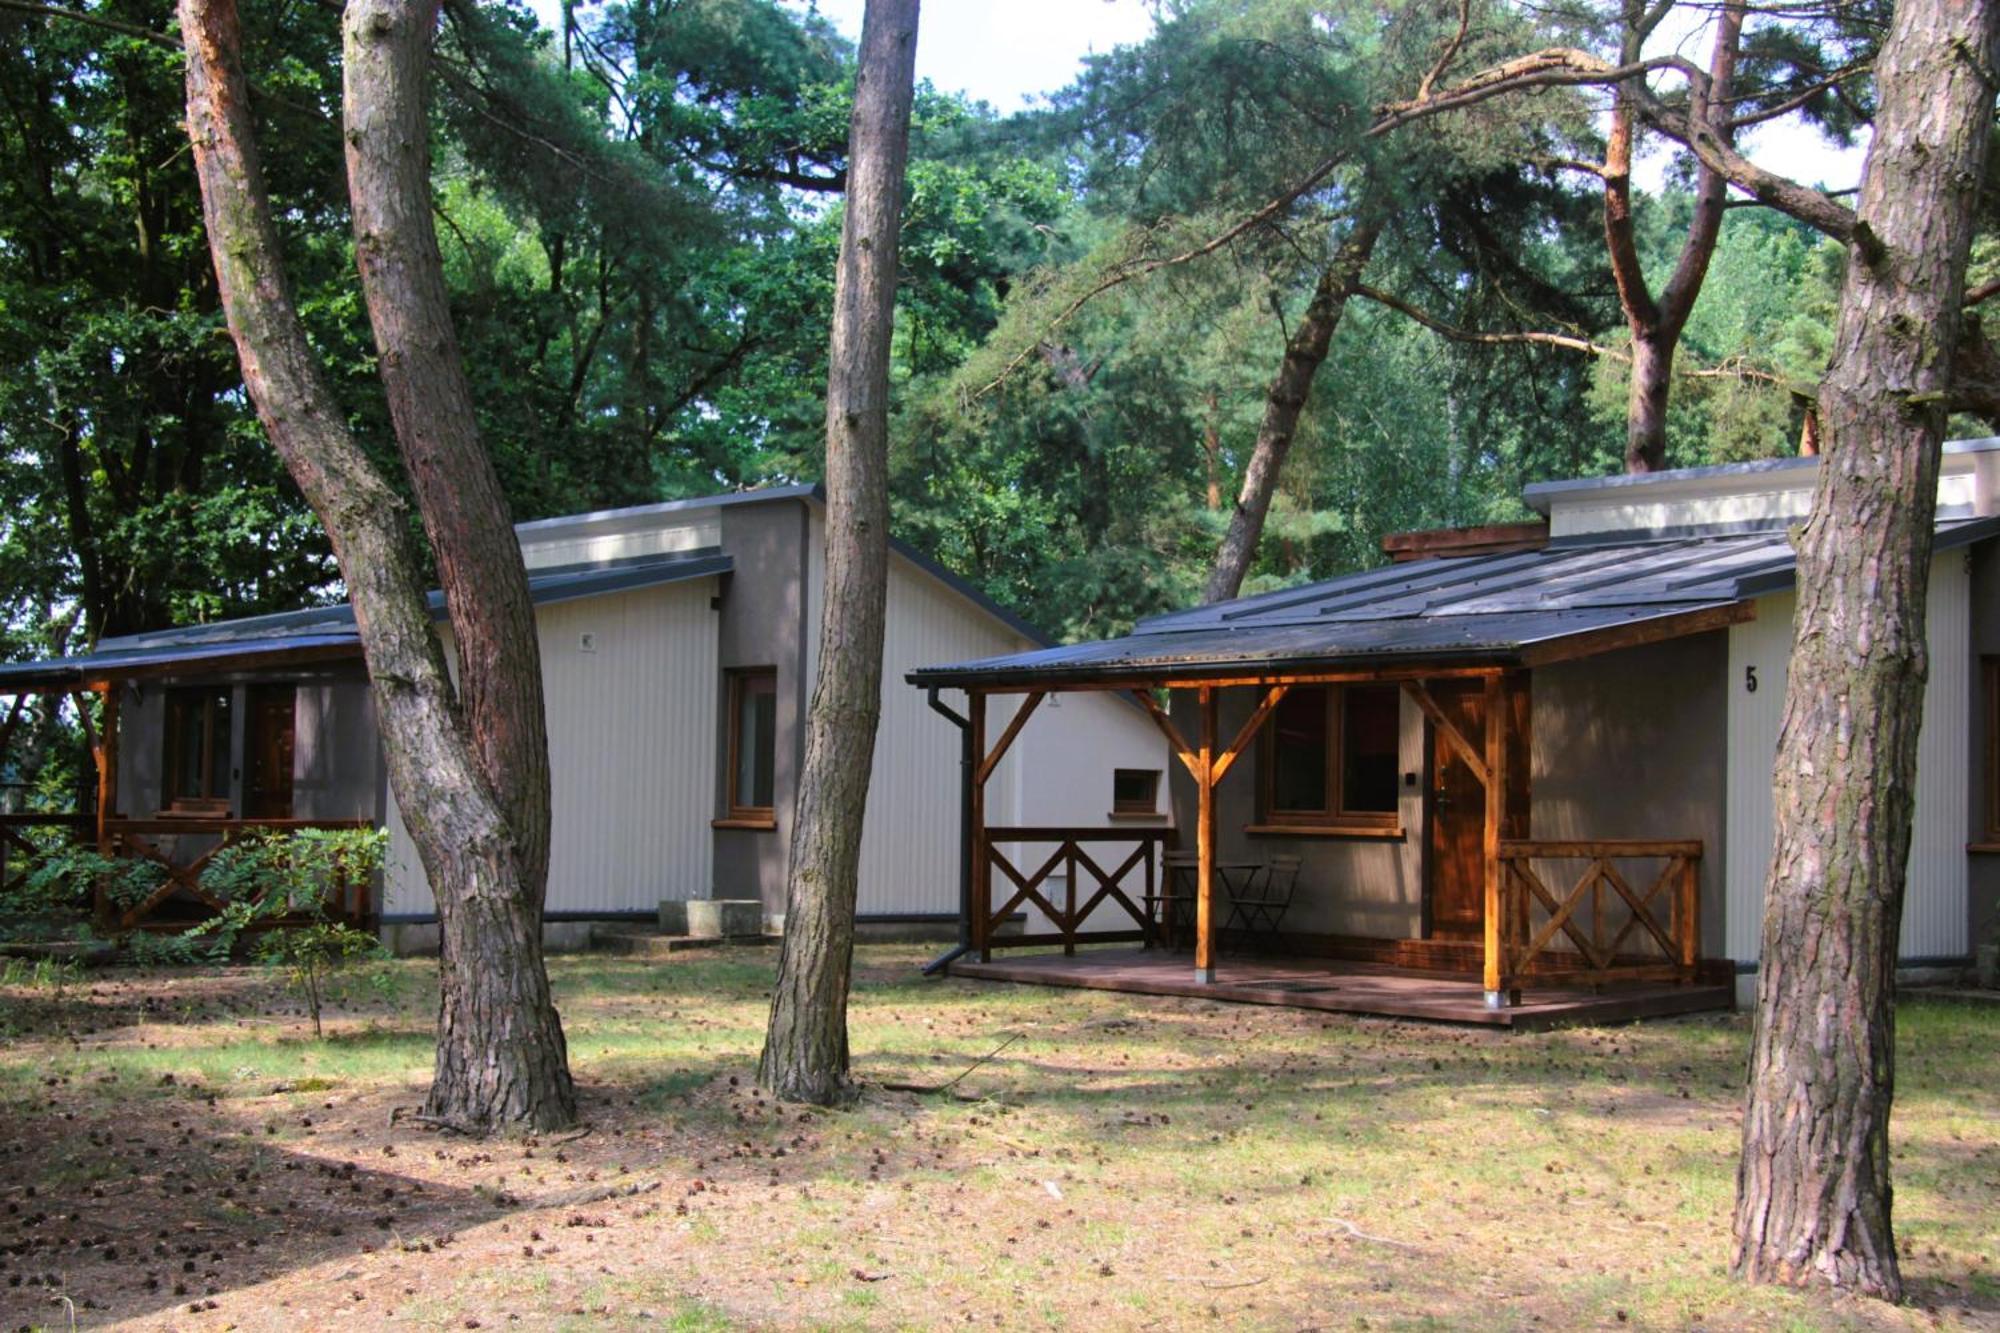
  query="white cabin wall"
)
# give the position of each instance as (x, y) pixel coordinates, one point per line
(1934, 913)
(631, 753)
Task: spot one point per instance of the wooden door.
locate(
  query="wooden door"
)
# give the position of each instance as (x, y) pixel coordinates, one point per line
(1457, 878)
(1455, 869)
(267, 760)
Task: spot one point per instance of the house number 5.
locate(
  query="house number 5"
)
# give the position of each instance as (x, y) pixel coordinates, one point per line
(1749, 680)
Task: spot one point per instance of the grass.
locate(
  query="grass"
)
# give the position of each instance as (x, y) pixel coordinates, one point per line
(175, 1139)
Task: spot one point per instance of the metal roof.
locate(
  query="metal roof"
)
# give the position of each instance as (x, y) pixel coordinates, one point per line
(1472, 610)
(329, 630)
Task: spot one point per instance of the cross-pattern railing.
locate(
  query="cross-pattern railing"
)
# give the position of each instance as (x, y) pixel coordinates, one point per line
(1132, 883)
(181, 865)
(1600, 927)
(26, 839)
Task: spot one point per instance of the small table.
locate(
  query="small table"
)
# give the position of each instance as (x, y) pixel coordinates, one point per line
(1180, 895)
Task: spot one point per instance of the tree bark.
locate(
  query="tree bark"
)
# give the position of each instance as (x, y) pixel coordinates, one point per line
(805, 1045)
(499, 1039)
(1813, 1189)
(1284, 402)
(503, 1030)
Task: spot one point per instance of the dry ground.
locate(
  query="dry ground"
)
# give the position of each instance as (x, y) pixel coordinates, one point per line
(177, 1152)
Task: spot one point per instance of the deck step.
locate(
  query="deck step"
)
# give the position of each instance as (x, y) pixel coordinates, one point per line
(644, 942)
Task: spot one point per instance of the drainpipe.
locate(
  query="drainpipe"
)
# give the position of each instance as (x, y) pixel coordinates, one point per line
(966, 760)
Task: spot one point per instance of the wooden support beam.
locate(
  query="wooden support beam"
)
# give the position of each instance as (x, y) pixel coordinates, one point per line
(1443, 725)
(1182, 750)
(1384, 675)
(1204, 910)
(982, 870)
(1021, 715)
(1497, 713)
(1272, 698)
(107, 764)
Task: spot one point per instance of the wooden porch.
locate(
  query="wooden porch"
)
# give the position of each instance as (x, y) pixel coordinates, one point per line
(1555, 931)
(1347, 987)
(178, 845)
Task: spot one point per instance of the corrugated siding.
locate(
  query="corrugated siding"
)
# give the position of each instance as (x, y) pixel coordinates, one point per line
(1934, 917)
(687, 532)
(909, 840)
(631, 751)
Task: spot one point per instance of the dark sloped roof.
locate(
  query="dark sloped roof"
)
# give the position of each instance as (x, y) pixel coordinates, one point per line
(1472, 610)
(329, 630)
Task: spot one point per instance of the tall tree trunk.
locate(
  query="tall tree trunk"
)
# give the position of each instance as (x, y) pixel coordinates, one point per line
(437, 768)
(1813, 1192)
(1656, 325)
(499, 1039)
(805, 1046)
(1284, 401)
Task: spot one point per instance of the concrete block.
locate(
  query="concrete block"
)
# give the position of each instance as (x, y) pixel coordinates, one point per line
(712, 918)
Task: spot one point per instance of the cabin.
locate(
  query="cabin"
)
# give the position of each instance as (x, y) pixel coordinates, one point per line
(679, 646)
(1519, 775)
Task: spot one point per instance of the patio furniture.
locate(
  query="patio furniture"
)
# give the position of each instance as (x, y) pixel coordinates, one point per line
(1259, 906)
(1180, 893)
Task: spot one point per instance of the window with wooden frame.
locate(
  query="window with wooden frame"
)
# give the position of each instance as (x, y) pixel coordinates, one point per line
(1331, 756)
(195, 767)
(1135, 791)
(1989, 684)
(753, 749)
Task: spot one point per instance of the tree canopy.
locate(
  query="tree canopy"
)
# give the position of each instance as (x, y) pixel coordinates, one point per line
(639, 215)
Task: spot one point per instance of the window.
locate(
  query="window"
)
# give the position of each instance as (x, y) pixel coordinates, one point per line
(1331, 758)
(196, 767)
(753, 746)
(1135, 791)
(1989, 668)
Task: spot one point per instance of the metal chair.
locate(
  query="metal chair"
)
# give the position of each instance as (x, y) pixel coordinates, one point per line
(1261, 903)
(1176, 894)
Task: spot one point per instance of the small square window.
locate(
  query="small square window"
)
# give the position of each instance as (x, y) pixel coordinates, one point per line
(1135, 791)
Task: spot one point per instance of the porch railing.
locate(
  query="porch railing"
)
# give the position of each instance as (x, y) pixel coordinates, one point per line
(1133, 879)
(1598, 927)
(161, 841)
(26, 839)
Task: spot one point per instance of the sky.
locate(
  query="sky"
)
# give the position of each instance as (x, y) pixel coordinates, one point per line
(1008, 51)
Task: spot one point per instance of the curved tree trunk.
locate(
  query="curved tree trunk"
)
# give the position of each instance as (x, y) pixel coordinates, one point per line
(1284, 402)
(500, 1043)
(805, 1045)
(1813, 1192)
(461, 829)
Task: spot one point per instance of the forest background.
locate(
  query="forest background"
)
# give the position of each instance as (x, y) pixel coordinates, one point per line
(640, 210)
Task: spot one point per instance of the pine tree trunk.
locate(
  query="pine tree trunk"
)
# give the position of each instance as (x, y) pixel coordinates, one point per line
(805, 1046)
(500, 1043)
(460, 828)
(1646, 401)
(1656, 326)
(1813, 1190)
(1284, 403)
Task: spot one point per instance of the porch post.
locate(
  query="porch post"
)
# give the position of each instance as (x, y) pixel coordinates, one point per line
(1496, 812)
(982, 886)
(1204, 916)
(107, 764)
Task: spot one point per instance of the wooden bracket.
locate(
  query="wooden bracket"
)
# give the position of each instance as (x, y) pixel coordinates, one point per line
(1448, 729)
(1272, 698)
(992, 761)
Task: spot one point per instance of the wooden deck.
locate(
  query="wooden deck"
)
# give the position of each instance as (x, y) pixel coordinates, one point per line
(1349, 988)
